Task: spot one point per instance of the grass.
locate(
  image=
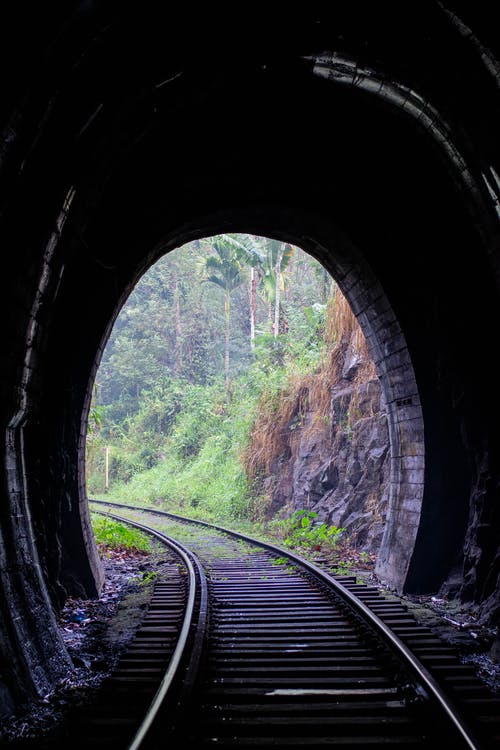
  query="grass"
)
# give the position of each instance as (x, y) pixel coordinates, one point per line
(116, 535)
(280, 561)
(217, 449)
(206, 482)
(306, 539)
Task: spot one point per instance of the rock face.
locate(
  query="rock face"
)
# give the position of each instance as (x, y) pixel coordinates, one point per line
(338, 465)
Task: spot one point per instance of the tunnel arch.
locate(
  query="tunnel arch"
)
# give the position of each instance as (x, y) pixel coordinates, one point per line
(386, 345)
(115, 132)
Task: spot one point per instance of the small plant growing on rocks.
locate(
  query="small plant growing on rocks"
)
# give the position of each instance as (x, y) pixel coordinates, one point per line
(302, 530)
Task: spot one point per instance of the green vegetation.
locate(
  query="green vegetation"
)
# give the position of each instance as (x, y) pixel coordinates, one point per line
(343, 568)
(301, 530)
(199, 466)
(116, 535)
(147, 577)
(222, 348)
(280, 561)
(182, 379)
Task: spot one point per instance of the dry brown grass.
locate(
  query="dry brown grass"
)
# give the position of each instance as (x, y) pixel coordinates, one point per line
(343, 321)
(271, 430)
(280, 418)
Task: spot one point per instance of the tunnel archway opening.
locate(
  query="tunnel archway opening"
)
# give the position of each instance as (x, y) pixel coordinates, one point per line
(400, 394)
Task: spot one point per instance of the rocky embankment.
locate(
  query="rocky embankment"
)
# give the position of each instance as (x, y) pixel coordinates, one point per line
(337, 461)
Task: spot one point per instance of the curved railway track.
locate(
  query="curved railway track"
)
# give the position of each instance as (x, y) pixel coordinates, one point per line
(158, 669)
(282, 655)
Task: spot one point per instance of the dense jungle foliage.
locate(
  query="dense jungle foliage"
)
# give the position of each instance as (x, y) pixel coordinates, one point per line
(214, 333)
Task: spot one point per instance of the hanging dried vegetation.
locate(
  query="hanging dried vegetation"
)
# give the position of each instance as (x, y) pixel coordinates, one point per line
(281, 418)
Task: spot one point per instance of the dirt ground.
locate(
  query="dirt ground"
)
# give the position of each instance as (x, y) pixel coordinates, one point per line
(95, 632)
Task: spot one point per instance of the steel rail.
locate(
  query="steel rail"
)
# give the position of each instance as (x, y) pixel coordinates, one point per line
(193, 567)
(414, 665)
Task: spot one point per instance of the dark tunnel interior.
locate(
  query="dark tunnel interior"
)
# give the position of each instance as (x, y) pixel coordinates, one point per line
(370, 142)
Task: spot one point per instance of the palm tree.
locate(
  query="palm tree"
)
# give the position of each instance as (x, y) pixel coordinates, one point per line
(225, 270)
(253, 254)
(278, 256)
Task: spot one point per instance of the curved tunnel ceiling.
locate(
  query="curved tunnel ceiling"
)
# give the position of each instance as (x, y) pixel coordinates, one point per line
(373, 150)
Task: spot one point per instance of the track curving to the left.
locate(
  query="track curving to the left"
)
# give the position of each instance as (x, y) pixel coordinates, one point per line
(157, 670)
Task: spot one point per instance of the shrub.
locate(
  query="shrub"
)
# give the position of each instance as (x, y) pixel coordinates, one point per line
(116, 535)
(302, 530)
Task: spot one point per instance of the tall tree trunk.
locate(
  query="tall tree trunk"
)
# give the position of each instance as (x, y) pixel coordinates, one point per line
(253, 306)
(326, 286)
(178, 325)
(228, 314)
(277, 300)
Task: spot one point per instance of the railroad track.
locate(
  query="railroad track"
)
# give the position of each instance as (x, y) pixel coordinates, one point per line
(157, 669)
(285, 656)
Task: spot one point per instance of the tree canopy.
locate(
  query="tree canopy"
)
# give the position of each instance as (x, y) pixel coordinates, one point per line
(174, 323)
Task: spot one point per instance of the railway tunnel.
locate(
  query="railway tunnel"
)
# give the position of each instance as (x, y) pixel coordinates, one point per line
(369, 139)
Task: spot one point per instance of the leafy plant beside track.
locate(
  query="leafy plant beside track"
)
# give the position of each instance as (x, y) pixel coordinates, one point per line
(112, 534)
